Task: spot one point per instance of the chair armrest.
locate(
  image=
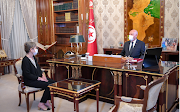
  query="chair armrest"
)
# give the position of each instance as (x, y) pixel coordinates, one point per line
(143, 87)
(18, 75)
(138, 88)
(129, 99)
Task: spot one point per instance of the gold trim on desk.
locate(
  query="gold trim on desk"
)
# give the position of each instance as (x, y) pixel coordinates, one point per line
(111, 91)
(118, 69)
(93, 73)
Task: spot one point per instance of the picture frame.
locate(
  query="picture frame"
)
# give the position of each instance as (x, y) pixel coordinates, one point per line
(151, 30)
(169, 44)
(3, 54)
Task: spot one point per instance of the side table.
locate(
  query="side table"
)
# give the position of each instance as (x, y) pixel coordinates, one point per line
(5, 62)
(75, 88)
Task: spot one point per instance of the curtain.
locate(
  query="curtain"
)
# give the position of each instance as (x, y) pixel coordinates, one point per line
(28, 8)
(19, 34)
(7, 15)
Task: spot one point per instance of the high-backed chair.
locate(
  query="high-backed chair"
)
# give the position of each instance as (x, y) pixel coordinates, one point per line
(147, 104)
(22, 89)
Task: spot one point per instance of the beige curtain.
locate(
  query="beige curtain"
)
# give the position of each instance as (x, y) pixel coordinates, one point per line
(7, 15)
(28, 8)
(109, 22)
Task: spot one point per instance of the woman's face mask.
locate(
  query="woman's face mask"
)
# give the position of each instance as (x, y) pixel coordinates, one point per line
(36, 51)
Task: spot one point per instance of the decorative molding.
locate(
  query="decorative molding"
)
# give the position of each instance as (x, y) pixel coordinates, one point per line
(120, 78)
(115, 77)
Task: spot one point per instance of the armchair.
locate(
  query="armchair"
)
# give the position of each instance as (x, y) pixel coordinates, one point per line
(22, 89)
(147, 104)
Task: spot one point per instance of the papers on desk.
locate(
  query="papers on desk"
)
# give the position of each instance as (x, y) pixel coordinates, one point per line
(136, 60)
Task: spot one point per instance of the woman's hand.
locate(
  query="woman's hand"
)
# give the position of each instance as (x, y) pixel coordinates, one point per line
(43, 78)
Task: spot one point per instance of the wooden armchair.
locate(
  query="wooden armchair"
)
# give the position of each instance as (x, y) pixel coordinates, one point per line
(147, 104)
(22, 89)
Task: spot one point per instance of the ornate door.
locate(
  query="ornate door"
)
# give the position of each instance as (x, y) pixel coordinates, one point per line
(44, 21)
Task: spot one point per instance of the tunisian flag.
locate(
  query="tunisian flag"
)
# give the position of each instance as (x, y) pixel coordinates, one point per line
(92, 44)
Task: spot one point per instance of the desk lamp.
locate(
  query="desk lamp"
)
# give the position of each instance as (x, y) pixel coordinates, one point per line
(78, 39)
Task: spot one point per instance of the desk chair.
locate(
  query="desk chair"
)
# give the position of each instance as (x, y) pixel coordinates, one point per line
(22, 89)
(147, 104)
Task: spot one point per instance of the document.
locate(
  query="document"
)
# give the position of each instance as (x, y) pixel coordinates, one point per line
(46, 46)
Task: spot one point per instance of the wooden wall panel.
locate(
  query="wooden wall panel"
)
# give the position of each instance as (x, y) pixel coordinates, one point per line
(44, 21)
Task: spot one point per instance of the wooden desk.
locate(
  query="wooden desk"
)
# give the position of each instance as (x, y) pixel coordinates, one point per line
(170, 56)
(124, 77)
(166, 55)
(5, 62)
(42, 60)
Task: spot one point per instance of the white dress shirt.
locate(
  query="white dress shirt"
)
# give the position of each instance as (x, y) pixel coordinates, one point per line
(134, 42)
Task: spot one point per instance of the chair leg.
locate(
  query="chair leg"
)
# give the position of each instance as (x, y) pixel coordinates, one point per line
(27, 101)
(74, 105)
(34, 96)
(19, 98)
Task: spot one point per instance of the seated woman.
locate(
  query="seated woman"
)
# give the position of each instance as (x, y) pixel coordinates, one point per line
(34, 77)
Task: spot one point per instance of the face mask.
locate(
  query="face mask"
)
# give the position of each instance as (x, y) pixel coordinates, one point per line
(131, 38)
(35, 53)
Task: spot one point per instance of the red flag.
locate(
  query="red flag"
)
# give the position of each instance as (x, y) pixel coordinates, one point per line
(92, 44)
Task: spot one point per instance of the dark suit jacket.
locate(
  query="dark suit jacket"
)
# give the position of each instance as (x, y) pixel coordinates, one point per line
(137, 51)
(29, 71)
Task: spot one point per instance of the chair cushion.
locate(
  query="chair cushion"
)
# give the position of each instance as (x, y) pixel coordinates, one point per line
(28, 89)
(127, 107)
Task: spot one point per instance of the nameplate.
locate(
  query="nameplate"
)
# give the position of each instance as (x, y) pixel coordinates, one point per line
(109, 59)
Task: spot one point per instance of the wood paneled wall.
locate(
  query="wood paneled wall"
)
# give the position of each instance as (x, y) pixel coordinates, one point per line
(44, 21)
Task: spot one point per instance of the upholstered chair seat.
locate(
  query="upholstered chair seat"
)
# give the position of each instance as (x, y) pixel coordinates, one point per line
(128, 107)
(28, 89)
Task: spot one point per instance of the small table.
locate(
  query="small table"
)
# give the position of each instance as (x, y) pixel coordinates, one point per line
(5, 62)
(75, 88)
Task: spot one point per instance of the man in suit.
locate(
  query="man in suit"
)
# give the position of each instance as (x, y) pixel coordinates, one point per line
(134, 47)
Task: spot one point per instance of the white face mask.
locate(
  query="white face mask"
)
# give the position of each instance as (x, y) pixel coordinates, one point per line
(35, 53)
(131, 37)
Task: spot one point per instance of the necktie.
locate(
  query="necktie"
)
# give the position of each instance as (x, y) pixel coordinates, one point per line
(131, 47)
